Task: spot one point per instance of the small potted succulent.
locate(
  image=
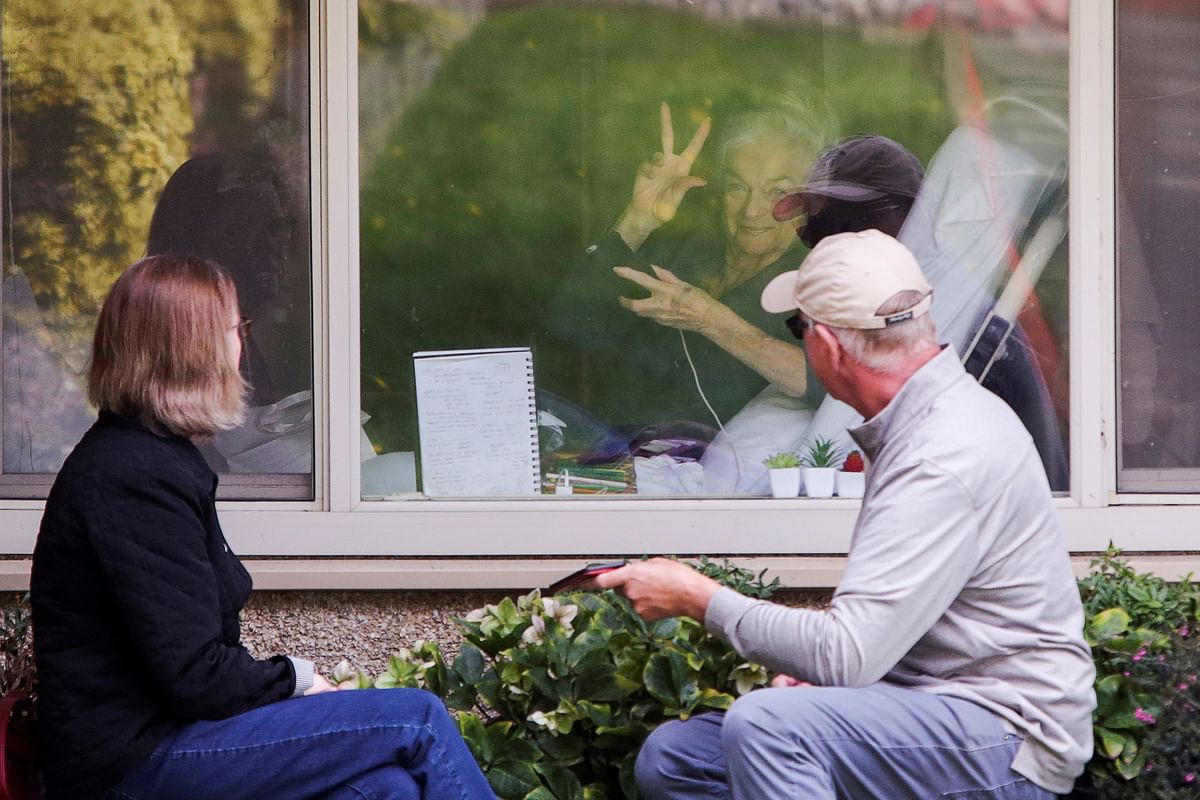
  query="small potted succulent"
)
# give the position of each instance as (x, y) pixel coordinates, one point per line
(784, 472)
(850, 480)
(820, 464)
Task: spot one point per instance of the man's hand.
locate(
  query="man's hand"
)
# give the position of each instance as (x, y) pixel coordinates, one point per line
(787, 682)
(661, 588)
(661, 183)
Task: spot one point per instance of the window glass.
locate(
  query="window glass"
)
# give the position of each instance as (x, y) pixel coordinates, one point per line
(149, 126)
(513, 154)
(1158, 202)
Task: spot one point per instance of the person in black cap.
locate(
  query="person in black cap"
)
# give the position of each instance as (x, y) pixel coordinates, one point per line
(862, 182)
(871, 181)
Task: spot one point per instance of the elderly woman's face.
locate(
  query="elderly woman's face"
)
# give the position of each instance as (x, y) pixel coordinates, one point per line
(758, 174)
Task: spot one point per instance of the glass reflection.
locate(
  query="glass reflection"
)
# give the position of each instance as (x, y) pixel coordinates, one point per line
(132, 126)
(497, 199)
(1158, 199)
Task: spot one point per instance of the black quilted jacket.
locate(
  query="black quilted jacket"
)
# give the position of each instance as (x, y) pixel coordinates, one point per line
(135, 608)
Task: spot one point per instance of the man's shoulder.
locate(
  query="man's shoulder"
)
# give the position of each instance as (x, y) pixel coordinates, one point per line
(973, 435)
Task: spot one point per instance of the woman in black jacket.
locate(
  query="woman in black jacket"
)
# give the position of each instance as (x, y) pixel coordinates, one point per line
(144, 688)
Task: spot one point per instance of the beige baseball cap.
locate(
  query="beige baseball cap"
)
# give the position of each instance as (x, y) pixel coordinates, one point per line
(846, 278)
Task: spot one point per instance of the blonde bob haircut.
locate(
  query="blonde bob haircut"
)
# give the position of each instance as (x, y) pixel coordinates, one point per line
(160, 350)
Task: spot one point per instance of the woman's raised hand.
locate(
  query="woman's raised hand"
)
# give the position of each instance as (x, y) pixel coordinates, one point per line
(661, 183)
(673, 302)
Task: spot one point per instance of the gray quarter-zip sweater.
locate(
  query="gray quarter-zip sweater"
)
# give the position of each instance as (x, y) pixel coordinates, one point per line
(957, 580)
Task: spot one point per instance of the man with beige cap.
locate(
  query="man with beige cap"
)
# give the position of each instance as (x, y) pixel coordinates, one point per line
(951, 661)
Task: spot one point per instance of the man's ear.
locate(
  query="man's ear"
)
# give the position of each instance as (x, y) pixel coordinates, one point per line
(830, 342)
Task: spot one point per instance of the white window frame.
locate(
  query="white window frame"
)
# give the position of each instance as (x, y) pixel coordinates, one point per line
(339, 541)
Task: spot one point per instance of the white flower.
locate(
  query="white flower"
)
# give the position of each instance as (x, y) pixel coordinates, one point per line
(542, 721)
(562, 613)
(746, 676)
(343, 671)
(536, 632)
(476, 615)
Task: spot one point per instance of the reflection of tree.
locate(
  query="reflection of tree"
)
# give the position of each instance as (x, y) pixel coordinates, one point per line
(100, 100)
(236, 65)
(96, 114)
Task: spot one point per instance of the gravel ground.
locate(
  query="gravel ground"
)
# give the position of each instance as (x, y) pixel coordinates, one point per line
(363, 627)
(366, 627)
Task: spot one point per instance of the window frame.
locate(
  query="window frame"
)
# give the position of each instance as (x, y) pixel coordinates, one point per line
(426, 543)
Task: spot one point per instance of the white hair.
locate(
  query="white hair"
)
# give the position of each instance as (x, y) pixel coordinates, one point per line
(886, 349)
(790, 119)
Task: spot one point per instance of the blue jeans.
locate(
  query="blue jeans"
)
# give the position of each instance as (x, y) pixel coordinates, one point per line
(387, 744)
(816, 743)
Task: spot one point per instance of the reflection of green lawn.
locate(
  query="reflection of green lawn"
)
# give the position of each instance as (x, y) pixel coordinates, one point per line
(524, 147)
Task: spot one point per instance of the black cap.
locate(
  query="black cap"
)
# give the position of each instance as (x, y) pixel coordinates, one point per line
(857, 169)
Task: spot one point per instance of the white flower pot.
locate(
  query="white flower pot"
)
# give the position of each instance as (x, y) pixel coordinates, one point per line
(851, 484)
(785, 481)
(818, 481)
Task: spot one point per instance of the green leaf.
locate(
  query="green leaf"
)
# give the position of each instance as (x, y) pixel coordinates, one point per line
(1108, 690)
(625, 775)
(669, 680)
(715, 699)
(512, 779)
(1110, 623)
(1108, 742)
(563, 749)
(470, 664)
(1132, 769)
(587, 646)
(473, 733)
(561, 781)
(598, 713)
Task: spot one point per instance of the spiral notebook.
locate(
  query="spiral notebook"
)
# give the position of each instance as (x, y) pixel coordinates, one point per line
(477, 421)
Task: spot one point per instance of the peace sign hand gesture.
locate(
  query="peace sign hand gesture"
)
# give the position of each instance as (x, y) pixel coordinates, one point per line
(661, 183)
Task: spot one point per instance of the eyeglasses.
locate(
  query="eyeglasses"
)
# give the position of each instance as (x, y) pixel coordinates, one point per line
(798, 324)
(243, 327)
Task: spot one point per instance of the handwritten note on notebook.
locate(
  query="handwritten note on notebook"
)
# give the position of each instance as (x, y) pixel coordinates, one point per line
(477, 420)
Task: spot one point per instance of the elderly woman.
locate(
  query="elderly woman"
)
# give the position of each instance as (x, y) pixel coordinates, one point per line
(697, 283)
(145, 690)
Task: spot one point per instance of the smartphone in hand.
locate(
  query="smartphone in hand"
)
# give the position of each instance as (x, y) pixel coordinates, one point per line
(580, 575)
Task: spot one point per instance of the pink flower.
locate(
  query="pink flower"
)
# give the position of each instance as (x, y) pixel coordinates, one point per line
(1139, 655)
(1144, 716)
(1184, 630)
(1191, 776)
(1126, 673)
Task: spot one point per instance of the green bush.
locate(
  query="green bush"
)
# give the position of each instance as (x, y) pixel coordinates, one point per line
(560, 692)
(1171, 758)
(564, 690)
(1134, 623)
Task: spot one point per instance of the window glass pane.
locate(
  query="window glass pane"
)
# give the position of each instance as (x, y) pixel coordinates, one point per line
(1158, 202)
(143, 126)
(512, 154)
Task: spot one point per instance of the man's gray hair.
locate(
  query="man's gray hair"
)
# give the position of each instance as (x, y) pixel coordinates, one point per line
(885, 349)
